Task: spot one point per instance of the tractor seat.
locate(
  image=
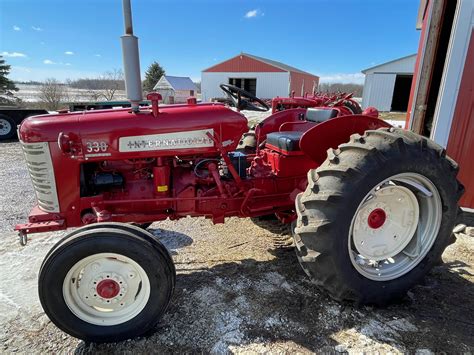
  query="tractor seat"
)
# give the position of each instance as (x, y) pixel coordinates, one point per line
(285, 141)
(320, 114)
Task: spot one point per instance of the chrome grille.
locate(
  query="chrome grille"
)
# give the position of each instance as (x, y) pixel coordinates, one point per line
(40, 168)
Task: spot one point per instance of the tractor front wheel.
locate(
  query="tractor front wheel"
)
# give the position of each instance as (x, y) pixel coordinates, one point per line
(106, 283)
(7, 128)
(376, 215)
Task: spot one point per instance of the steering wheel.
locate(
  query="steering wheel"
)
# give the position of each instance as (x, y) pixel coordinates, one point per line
(244, 100)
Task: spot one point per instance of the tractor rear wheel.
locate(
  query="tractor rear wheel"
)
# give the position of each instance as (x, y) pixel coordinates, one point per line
(376, 215)
(281, 232)
(353, 106)
(106, 283)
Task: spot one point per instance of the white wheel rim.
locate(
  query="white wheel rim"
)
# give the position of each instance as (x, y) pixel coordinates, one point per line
(106, 289)
(394, 226)
(5, 127)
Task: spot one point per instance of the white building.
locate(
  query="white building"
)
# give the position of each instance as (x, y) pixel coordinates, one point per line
(175, 89)
(262, 77)
(387, 86)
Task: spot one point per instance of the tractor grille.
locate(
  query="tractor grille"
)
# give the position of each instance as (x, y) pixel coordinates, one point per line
(40, 168)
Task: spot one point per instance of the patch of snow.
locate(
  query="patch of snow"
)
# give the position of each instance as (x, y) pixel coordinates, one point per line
(273, 321)
(396, 123)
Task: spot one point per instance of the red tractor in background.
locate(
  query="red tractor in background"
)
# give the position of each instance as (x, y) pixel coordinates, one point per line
(342, 102)
(372, 208)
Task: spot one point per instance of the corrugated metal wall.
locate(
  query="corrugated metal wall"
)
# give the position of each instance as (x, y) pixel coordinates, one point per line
(269, 85)
(380, 82)
(378, 91)
(461, 138)
(405, 65)
(303, 83)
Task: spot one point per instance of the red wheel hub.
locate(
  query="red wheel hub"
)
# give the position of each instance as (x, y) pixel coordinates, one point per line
(108, 288)
(376, 218)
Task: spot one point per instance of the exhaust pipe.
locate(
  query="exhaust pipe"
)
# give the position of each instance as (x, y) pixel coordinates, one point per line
(131, 60)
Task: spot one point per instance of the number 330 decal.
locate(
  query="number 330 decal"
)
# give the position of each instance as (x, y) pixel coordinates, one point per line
(96, 147)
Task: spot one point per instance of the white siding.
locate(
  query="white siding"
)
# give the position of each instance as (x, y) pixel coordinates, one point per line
(380, 82)
(165, 94)
(378, 91)
(269, 85)
(453, 71)
(401, 66)
(163, 83)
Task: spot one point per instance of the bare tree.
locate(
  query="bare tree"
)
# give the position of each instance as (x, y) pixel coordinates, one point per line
(356, 89)
(94, 95)
(103, 87)
(111, 81)
(52, 94)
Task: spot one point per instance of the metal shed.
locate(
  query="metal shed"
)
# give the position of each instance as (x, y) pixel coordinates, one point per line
(387, 85)
(175, 89)
(262, 77)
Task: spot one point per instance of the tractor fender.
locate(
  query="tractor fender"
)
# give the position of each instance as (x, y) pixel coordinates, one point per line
(331, 133)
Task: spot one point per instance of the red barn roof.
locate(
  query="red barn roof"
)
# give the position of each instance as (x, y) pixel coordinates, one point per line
(245, 62)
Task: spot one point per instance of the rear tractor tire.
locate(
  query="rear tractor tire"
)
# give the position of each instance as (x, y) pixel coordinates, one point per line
(353, 106)
(281, 232)
(106, 282)
(376, 215)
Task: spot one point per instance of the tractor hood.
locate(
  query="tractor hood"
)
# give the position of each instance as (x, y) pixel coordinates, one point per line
(176, 129)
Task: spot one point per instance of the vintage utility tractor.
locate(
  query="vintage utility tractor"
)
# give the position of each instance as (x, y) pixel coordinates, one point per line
(372, 207)
(342, 102)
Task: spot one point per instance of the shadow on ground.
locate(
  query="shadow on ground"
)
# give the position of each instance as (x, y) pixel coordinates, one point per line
(171, 240)
(248, 305)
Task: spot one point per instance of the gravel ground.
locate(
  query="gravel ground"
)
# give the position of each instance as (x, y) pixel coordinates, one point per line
(235, 293)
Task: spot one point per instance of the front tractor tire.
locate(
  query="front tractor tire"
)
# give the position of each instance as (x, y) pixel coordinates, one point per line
(376, 215)
(106, 282)
(7, 128)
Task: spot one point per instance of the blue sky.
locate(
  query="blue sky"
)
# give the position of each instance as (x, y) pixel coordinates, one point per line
(334, 39)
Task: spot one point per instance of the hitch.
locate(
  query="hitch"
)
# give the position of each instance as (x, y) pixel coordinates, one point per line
(22, 238)
(39, 222)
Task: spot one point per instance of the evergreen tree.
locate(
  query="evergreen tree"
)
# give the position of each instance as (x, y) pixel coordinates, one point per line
(152, 75)
(7, 87)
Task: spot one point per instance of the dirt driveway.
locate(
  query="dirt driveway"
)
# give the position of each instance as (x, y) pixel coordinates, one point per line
(235, 293)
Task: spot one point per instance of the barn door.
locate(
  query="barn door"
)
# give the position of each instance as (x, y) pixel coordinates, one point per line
(461, 138)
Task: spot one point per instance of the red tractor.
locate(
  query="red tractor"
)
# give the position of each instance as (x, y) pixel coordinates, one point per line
(342, 102)
(372, 207)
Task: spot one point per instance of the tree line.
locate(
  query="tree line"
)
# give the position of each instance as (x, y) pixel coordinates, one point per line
(53, 93)
(356, 89)
(104, 87)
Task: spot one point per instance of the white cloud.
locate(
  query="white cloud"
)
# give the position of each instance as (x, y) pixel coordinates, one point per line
(51, 62)
(252, 13)
(16, 28)
(345, 78)
(97, 55)
(13, 54)
(39, 29)
(69, 53)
